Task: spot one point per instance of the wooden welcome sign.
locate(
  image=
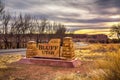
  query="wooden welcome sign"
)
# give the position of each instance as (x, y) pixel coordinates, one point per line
(51, 49)
(50, 53)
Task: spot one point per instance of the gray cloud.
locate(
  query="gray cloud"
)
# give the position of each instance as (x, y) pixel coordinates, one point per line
(106, 7)
(108, 3)
(94, 20)
(72, 11)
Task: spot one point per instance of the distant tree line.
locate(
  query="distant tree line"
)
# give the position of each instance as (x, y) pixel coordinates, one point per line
(22, 24)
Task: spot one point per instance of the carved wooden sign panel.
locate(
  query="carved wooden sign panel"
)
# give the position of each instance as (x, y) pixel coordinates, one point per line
(51, 49)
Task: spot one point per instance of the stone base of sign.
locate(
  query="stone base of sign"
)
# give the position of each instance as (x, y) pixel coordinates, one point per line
(51, 62)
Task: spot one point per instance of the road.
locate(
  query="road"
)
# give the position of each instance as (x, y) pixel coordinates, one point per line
(11, 51)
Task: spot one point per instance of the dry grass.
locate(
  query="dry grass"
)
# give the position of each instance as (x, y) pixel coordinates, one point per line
(8, 58)
(106, 58)
(16, 71)
(107, 63)
(5, 70)
(96, 51)
(105, 48)
(110, 67)
(71, 76)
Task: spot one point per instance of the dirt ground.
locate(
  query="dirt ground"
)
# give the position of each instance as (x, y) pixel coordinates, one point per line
(18, 71)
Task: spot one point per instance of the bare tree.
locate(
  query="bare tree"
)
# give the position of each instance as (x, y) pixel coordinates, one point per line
(5, 29)
(5, 22)
(60, 33)
(33, 24)
(19, 27)
(42, 26)
(61, 29)
(27, 23)
(115, 29)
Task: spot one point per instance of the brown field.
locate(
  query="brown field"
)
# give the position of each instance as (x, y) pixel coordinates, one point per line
(99, 62)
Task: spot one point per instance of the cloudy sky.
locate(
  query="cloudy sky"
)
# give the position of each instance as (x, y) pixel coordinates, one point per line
(83, 15)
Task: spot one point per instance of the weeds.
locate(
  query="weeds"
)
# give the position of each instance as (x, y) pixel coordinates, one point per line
(109, 67)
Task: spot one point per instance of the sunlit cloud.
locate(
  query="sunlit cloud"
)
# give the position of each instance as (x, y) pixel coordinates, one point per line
(115, 16)
(111, 23)
(93, 31)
